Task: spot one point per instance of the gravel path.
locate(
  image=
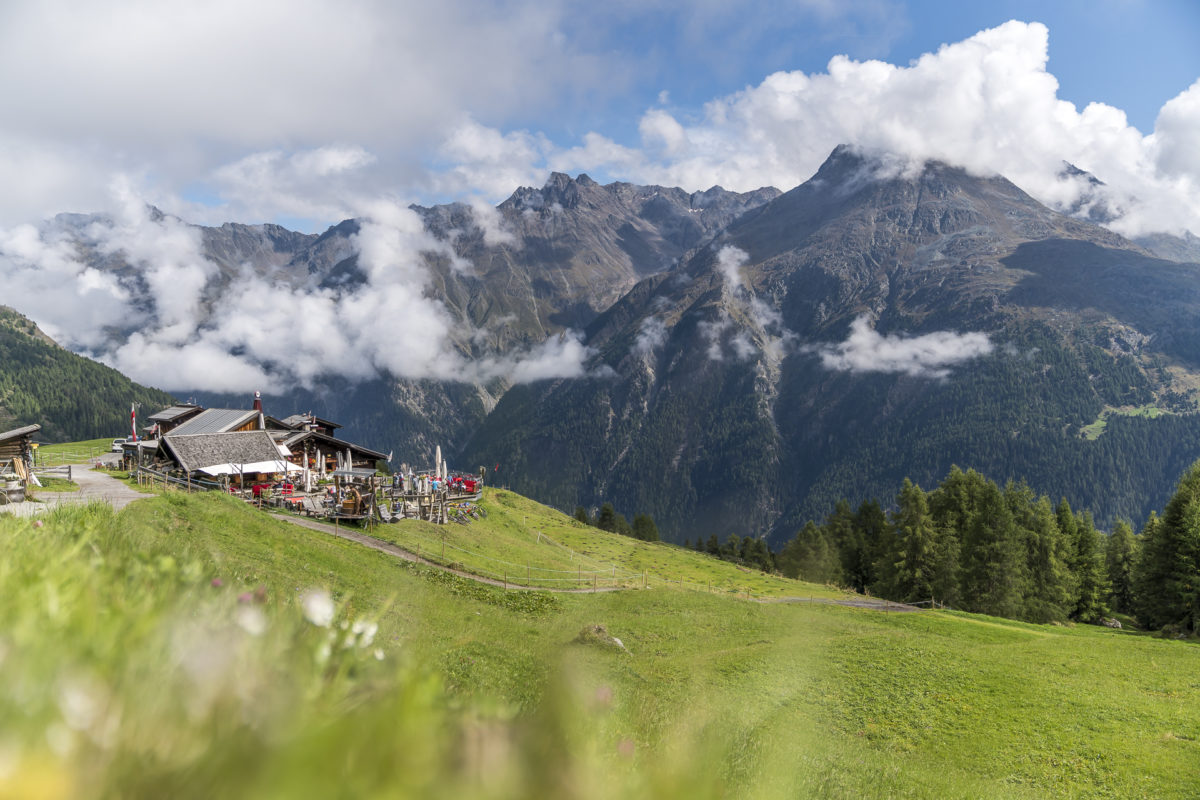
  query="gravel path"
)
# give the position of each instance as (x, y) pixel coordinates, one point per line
(92, 486)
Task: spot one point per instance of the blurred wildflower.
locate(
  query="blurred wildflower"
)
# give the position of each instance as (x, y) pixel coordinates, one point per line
(318, 607)
(251, 619)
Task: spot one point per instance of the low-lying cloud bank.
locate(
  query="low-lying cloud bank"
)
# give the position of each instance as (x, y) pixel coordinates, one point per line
(928, 356)
(173, 322)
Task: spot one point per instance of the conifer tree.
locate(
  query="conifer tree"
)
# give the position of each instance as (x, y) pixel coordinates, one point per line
(1169, 589)
(581, 514)
(606, 520)
(732, 547)
(1050, 590)
(917, 541)
(1119, 557)
(993, 569)
(1090, 574)
(713, 545)
(842, 536)
(872, 532)
(645, 529)
(809, 556)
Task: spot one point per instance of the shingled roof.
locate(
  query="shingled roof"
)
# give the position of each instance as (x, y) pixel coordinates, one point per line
(197, 451)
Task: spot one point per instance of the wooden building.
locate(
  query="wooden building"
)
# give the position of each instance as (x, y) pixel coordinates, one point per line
(222, 420)
(242, 455)
(171, 418)
(16, 454)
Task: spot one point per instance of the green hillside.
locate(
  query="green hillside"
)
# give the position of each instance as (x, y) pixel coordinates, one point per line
(193, 647)
(526, 543)
(71, 397)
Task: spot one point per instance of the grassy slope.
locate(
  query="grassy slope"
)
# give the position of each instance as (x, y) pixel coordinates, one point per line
(481, 692)
(529, 543)
(74, 452)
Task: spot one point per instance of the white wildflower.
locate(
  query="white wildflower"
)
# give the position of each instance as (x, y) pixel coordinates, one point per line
(318, 607)
(251, 619)
(378, 654)
(365, 631)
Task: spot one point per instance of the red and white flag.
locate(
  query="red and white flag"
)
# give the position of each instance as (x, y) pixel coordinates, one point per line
(133, 421)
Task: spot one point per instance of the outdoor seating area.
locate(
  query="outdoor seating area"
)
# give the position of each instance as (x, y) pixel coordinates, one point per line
(297, 464)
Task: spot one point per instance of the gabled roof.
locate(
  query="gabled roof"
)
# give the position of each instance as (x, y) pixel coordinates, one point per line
(17, 432)
(215, 420)
(299, 437)
(197, 451)
(175, 412)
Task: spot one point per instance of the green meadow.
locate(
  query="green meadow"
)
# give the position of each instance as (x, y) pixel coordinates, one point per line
(191, 646)
(528, 544)
(1095, 429)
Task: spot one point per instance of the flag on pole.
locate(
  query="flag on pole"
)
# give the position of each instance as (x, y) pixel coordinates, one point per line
(133, 421)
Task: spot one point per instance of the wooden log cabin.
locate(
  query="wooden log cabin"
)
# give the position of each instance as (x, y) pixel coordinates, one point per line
(16, 454)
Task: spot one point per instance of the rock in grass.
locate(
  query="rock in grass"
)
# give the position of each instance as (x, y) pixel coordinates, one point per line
(599, 635)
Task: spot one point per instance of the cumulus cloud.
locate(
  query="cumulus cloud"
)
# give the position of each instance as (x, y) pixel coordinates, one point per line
(167, 318)
(174, 92)
(319, 183)
(987, 103)
(928, 356)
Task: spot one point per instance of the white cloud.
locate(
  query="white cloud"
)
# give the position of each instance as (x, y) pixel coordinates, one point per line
(730, 260)
(321, 183)
(491, 223)
(253, 332)
(652, 334)
(175, 92)
(931, 355)
(986, 103)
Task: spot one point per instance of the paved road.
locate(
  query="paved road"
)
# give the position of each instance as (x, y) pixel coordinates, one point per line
(92, 486)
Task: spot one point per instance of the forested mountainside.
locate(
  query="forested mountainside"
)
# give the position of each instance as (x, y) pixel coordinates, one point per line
(71, 397)
(751, 400)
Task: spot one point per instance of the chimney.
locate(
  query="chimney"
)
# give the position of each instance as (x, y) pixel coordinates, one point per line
(257, 401)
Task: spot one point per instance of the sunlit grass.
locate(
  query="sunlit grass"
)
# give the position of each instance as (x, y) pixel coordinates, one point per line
(167, 651)
(72, 452)
(526, 543)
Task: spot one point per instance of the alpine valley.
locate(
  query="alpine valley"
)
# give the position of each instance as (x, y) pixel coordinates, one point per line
(756, 357)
